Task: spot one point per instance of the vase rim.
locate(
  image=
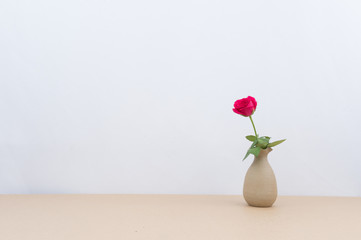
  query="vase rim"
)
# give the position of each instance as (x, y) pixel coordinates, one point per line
(264, 152)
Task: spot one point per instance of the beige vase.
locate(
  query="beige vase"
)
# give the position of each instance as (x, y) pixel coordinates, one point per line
(260, 186)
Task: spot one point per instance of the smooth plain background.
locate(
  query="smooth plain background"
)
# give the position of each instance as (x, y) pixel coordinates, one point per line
(136, 96)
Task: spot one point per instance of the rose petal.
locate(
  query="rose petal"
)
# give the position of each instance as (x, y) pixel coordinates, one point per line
(246, 111)
(236, 111)
(241, 103)
(253, 101)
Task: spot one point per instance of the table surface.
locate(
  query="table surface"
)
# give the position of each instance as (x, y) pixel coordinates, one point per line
(173, 217)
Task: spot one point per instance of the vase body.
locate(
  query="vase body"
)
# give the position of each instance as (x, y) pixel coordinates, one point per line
(260, 186)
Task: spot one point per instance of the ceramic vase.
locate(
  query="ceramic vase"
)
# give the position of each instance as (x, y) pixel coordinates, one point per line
(260, 186)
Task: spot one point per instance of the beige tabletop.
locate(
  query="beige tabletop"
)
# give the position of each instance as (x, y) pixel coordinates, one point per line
(172, 217)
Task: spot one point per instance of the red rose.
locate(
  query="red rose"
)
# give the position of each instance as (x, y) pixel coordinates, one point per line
(245, 106)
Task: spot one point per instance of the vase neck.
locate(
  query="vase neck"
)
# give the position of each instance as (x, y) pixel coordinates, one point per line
(264, 153)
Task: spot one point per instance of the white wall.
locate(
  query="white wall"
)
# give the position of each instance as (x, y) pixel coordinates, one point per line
(136, 96)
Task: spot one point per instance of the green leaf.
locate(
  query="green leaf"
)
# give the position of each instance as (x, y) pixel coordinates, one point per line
(263, 142)
(252, 146)
(251, 138)
(276, 143)
(255, 151)
(247, 154)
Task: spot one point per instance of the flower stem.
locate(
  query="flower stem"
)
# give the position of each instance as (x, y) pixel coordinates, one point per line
(254, 128)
